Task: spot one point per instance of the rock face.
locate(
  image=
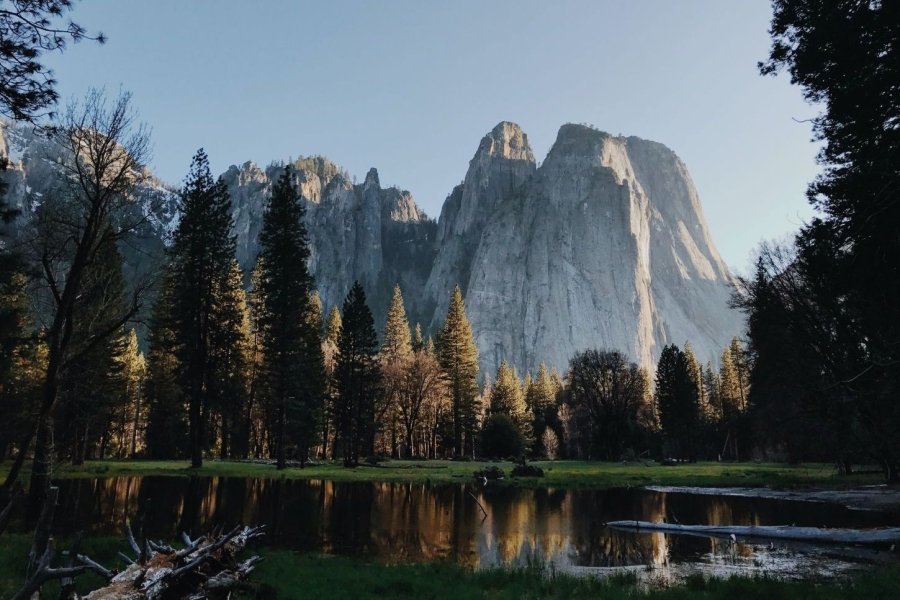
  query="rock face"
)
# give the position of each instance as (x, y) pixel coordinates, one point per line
(602, 246)
(502, 163)
(363, 232)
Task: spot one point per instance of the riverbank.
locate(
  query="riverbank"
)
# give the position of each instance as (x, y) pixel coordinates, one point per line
(558, 474)
(293, 575)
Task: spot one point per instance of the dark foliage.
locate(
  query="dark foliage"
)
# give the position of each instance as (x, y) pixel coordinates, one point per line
(500, 437)
(28, 29)
(201, 253)
(358, 379)
(292, 342)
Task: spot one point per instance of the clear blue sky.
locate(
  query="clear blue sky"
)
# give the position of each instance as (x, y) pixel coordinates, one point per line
(411, 86)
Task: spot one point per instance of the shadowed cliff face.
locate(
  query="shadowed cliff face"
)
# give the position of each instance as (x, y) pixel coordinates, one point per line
(603, 246)
(357, 232)
(502, 163)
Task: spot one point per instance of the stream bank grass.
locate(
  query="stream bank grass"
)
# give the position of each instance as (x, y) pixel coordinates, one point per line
(559, 474)
(294, 575)
(334, 578)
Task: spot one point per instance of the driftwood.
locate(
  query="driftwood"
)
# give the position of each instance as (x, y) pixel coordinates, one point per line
(205, 568)
(779, 532)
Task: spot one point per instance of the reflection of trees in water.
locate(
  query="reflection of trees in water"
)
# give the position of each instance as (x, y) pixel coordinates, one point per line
(414, 522)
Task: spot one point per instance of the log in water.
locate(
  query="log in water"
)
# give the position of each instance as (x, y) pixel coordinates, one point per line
(777, 532)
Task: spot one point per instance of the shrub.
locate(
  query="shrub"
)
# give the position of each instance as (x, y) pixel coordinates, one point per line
(500, 436)
(490, 473)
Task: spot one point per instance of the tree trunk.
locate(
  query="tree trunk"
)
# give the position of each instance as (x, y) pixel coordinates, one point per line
(282, 413)
(196, 442)
(137, 424)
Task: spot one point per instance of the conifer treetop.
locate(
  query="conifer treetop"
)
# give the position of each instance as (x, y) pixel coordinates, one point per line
(397, 343)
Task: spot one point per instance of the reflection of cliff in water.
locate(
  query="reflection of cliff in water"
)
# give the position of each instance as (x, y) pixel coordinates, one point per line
(414, 522)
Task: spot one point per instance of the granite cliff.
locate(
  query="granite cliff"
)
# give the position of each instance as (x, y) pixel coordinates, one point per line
(603, 245)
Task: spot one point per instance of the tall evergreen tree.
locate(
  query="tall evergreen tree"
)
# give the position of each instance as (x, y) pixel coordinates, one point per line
(314, 314)
(229, 362)
(541, 397)
(396, 343)
(713, 398)
(134, 372)
(358, 379)
(292, 341)
(253, 430)
(201, 254)
(167, 429)
(458, 356)
(418, 344)
(507, 398)
(396, 357)
(333, 326)
(677, 401)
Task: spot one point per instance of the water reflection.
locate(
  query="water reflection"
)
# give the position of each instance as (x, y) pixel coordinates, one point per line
(398, 522)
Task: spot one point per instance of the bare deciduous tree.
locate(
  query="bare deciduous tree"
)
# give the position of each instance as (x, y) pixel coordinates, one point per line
(103, 152)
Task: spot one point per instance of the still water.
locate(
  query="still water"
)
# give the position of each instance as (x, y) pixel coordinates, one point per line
(396, 522)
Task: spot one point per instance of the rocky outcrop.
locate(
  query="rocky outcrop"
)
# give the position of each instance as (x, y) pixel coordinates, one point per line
(502, 163)
(603, 246)
(362, 232)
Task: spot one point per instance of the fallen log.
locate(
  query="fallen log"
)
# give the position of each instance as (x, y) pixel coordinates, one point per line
(774, 532)
(207, 568)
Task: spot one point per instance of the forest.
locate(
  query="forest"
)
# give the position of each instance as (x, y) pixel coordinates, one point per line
(193, 358)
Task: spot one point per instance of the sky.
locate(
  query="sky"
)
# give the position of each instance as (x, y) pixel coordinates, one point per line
(411, 86)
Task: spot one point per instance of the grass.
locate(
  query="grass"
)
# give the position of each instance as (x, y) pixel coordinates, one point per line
(14, 558)
(560, 474)
(307, 576)
(294, 575)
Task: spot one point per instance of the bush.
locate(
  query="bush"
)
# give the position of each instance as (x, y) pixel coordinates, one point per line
(462, 458)
(500, 436)
(490, 473)
(527, 471)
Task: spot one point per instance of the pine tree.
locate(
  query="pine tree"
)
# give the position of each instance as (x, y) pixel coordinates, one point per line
(167, 429)
(741, 370)
(695, 372)
(396, 357)
(418, 344)
(229, 362)
(458, 356)
(330, 351)
(202, 251)
(292, 341)
(314, 314)
(396, 343)
(676, 399)
(507, 398)
(713, 399)
(134, 372)
(333, 327)
(253, 430)
(358, 379)
(541, 398)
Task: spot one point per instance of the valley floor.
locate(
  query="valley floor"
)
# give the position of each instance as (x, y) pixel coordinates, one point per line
(558, 474)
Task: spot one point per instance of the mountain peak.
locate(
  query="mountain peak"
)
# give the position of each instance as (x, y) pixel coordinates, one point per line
(506, 140)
